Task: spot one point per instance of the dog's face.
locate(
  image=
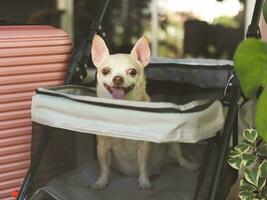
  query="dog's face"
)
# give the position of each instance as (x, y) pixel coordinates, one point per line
(120, 75)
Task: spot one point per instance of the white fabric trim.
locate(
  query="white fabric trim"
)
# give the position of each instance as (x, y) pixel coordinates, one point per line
(192, 61)
(136, 104)
(156, 127)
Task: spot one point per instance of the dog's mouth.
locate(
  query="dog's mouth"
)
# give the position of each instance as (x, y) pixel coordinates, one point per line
(118, 92)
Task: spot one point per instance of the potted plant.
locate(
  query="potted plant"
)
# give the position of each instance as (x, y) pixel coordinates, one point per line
(250, 157)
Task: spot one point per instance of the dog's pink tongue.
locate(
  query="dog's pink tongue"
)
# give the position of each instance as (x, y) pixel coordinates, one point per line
(118, 93)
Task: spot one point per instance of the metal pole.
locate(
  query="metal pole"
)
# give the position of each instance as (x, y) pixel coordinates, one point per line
(226, 136)
(67, 18)
(254, 29)
(154, 28)
(36, 158)
(203, 169)
(81, 56)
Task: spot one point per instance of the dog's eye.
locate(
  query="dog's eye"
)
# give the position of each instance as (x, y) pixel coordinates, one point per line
(106, 71)
(132, 72)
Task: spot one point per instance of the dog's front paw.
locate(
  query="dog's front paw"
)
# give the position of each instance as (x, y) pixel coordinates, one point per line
(144, 185)
(100, 184)
(193, 166)
(190, 165)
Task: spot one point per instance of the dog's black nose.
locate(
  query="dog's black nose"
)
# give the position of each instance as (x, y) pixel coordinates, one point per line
(118, 80)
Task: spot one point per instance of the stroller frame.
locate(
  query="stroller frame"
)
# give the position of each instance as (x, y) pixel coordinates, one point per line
(77, 71)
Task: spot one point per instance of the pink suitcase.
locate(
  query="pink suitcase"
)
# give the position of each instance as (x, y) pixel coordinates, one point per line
(30, 56)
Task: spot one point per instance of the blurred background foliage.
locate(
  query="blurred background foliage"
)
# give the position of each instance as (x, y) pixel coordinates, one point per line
(127, 20)
(124, 22)
(191, 28)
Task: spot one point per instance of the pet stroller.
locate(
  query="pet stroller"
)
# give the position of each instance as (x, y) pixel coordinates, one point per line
(194, 101)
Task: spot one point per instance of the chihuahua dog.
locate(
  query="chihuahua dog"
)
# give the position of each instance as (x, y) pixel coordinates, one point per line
(121, 76)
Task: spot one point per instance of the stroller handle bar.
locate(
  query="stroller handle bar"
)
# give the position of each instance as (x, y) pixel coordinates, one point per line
(254, 29)
(81, 56)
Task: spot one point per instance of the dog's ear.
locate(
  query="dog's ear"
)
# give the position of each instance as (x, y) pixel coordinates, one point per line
(141, 51)
(99, 51)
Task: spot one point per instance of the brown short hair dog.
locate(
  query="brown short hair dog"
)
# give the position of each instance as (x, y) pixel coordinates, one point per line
(121, 76)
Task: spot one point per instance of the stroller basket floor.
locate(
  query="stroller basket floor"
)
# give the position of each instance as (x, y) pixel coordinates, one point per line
(76, 185)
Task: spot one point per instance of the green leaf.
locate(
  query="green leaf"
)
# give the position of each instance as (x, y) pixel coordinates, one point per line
(248, 159)
(262, 183)
(250, 135)
(235, 162)
(252, 177)
(244, 195)
(245, 186)
(263, 150)
(251, 54)
(265, 11)
(242, 148)
(263, 169)
(234, 154)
